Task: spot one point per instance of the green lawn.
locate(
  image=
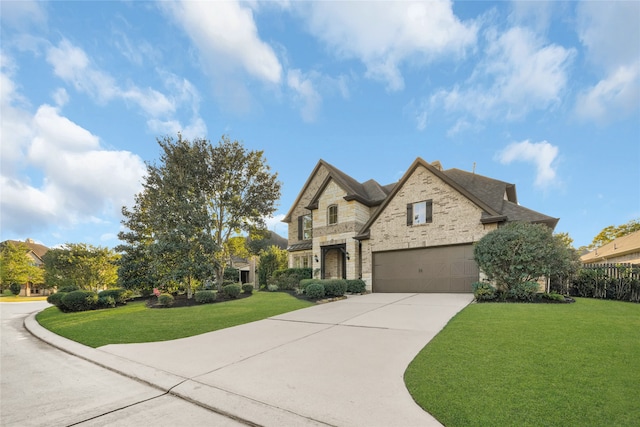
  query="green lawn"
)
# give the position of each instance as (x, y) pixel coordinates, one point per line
(137, 323)
(533, 364)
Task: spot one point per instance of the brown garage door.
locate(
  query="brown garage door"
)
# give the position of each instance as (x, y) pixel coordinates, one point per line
(436, 269)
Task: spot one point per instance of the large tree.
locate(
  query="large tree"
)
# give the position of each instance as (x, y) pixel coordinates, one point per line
(243, 192)
(82, 265)
(610, 233)
(522, 252)
(16, 266)
(192, 203)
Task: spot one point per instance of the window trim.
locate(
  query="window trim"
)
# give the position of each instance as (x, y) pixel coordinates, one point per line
(329, 222)
(428, 204)
(301, 229)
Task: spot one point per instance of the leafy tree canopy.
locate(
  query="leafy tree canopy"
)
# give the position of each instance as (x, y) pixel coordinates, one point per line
(193, 202)
(610, 233)
(79, 264)
(16, 266)
(522, 252)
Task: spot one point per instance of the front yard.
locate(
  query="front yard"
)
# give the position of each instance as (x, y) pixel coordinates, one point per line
(136, 323)
(533, 364)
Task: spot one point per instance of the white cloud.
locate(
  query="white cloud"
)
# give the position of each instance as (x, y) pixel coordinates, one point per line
(305, 94)
(541, 154)
(226, 35)
(519, 73)
(617, 95)
(611, 34)
(385, 35)
(60, 97)
(75, 180)
(72, 64)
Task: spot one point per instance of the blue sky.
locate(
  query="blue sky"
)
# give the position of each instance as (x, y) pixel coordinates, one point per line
(545, 95)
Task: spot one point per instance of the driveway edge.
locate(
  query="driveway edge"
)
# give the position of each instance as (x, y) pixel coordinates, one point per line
(237, 407)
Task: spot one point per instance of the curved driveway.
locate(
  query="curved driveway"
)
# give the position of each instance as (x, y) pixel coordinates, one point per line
(338, 364)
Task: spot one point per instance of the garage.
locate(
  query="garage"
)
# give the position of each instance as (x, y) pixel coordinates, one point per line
(424, 270)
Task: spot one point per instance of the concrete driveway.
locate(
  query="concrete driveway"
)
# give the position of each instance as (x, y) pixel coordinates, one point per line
(340, 363)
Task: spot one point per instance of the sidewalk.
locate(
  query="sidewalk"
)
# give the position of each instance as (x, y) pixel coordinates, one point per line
(338, 364)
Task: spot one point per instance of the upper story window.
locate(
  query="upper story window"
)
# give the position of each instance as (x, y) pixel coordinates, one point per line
(305, 227)
(420, 212)
(332, 213)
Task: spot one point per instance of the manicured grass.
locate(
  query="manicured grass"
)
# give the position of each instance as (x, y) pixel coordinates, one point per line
(533, 364)
(135, 323)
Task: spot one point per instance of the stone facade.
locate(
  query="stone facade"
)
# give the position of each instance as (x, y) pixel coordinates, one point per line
(372, 218)
(456, 219)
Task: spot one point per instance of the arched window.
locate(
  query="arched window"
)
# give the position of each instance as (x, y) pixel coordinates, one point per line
(332, 213)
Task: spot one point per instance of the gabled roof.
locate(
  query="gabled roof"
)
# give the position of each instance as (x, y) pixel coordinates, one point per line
(486, 193)
(37, 249)
(369, 193)
(621, 246)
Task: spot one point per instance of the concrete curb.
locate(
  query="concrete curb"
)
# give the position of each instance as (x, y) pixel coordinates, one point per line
(240, 408)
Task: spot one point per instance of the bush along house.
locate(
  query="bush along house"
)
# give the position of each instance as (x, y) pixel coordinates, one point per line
(415, 235)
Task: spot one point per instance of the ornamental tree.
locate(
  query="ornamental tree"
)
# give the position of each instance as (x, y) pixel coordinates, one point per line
(192, 203)
(520, 252)
(85, 266)
(16, 266)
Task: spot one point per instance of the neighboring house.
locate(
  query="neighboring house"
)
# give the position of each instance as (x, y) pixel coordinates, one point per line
(246, 268)
(625, 249)
(415, 235)
(36, 253)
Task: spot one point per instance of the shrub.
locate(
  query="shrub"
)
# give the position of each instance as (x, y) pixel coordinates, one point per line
(56, 299)
(356, 286)
(315, 290)
(106, 301)
(525, 291)
(306, 282)
(334, 287)
(14, 288)
(79, 301)
(119, 295)
(553, 296)
(247, 288)
(206, 297)
(165, 300)
(69, 288)
(584, 284)
(232, 291)
(272, 288)
(483, 291)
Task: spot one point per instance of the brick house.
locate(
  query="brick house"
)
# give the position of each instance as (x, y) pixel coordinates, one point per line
(415, 235)
(35, 252)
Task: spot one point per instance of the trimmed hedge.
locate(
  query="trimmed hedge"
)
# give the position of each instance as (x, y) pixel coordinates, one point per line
(119, 295)
(356, 286)
(56, 299)
(484, 291)
(247, 288)
(206, 297)
(334, 287)
(232, 291)
(315, 291)
(79, 301)
(106, 301)
(165, 300)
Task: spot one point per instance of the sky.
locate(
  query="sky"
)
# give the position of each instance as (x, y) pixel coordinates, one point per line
(544, 95)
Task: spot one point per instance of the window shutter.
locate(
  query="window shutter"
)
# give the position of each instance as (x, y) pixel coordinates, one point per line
(429, 215)
(409, 214)
(300, 225)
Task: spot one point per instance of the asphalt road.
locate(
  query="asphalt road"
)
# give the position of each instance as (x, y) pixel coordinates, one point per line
(43, 386)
